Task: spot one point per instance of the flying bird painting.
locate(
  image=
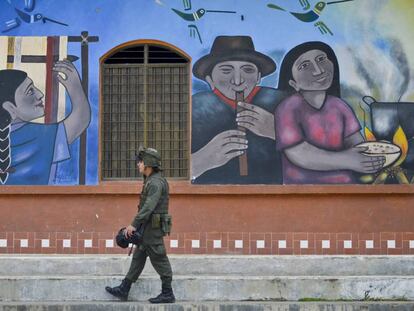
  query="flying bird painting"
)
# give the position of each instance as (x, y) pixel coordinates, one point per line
(312, 15)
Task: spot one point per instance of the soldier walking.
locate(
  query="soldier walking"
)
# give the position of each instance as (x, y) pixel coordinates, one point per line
(153, 215)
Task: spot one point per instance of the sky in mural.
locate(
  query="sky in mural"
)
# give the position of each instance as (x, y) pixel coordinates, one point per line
(364, 33)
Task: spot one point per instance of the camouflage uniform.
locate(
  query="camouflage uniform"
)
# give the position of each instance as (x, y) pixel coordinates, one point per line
(153, 206)
(153, 215)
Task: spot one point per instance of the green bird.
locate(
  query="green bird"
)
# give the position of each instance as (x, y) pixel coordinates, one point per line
(312, 15)
(195, 16)
(190, 16)
(307, 17)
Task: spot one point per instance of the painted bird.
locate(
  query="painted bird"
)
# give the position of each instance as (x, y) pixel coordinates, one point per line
(195, 16)
(28, 18)
(312, 15)
(190, 16)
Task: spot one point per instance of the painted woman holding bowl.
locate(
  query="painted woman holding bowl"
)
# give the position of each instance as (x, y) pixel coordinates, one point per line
(316, 130)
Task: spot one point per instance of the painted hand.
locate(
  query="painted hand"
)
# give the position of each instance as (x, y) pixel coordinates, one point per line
(221, 149)
(68, 76)
(362, 163)
(257, 120)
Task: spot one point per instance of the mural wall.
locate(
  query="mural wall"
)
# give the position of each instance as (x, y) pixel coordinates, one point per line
(284, 92)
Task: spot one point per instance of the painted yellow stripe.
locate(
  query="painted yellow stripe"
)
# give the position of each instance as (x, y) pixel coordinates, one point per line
(36, 72)
(10, 50)
(3, 52)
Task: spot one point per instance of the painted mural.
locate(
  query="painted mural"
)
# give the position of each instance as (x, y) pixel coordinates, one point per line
(284, 92)
(233, 133)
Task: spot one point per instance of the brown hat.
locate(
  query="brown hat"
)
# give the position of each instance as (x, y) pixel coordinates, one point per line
(233, 48)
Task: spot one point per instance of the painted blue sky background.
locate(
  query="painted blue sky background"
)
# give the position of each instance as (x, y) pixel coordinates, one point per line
(119, 21)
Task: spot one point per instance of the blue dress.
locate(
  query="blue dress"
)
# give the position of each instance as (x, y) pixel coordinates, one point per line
(35, 149)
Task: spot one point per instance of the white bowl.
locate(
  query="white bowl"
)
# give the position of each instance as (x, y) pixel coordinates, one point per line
(390, 151)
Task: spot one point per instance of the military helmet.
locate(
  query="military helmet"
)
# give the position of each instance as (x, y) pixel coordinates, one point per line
(123, 242)
(150, 157)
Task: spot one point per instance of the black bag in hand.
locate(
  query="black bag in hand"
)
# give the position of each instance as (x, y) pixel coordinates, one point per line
(136, 237)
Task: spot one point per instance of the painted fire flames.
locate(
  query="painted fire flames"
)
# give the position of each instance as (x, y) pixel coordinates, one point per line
(393, 159)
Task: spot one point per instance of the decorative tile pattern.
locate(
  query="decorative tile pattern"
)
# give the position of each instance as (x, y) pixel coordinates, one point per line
(260, 244)
(391, 244)
(87, 243)
(326, 244)
(24, 243)
(174, 243)
(369, 244)
(263, 243)
(66, 243)
(304, 244)
(45, 243)
(347, 244)
(195, 243)
(238, 244)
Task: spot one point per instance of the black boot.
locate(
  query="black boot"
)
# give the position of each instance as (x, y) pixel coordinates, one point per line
(120, 291)
(166, 296)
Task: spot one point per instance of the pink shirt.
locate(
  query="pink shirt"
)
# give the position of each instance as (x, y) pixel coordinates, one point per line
(296, 121)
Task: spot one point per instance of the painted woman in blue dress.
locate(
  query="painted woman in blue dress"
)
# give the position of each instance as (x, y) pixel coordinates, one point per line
(29, 151)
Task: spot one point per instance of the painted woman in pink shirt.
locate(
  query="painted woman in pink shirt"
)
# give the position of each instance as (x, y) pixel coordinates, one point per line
(316, 131)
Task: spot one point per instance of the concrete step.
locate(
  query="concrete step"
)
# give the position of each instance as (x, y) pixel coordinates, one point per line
(211, 306)
(211, 288)
(204, 278)
(211, 265)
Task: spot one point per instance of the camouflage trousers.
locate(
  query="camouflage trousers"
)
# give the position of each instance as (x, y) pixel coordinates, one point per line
(159, 260)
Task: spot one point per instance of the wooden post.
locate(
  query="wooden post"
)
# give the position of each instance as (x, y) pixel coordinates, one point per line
(85, 85)
(244, 170)
(84, 39)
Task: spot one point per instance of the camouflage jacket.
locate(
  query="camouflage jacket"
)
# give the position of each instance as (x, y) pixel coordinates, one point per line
(154, 200)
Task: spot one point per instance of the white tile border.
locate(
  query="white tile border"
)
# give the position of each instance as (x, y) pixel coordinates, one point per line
(87, 243)
(347, 244)
(3, 243)
(195, 243)
(260, 244)
(109, 243)
(238, 244)
(173, 243)
(66, 243)
(282, 243)
(216, 243)
(304, 244)
(45, 243)
(411, 243)
(326, 244)
(24, 243)
(369, 244)
(390, 243)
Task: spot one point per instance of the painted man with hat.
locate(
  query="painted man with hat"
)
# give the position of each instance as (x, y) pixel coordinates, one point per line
(234, 68)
